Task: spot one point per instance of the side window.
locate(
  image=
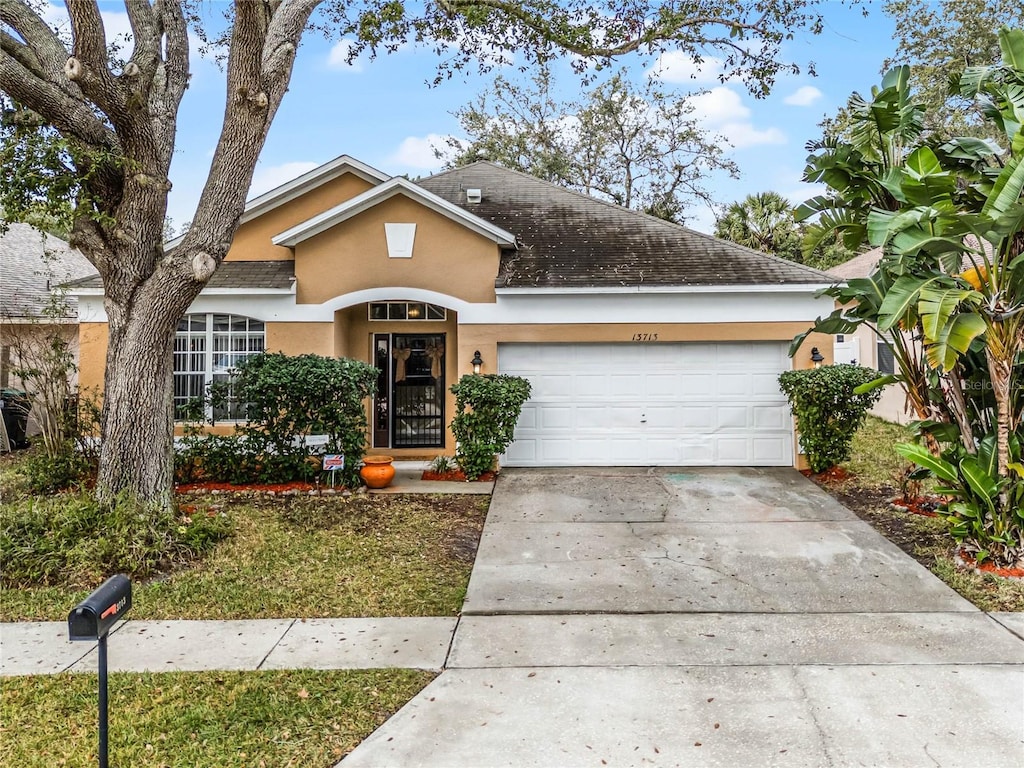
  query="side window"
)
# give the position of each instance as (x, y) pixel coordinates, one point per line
(886, 364)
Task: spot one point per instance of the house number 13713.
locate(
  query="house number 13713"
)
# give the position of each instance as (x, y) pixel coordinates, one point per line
(645, 337)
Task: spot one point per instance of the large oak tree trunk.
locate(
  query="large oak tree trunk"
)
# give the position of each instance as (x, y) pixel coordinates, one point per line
(138, 427)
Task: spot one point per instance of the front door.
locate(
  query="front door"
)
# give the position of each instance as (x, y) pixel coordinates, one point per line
(409, 407)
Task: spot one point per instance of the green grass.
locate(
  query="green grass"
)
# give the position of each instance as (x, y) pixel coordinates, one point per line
(873, 460)
(302, 557)
(296, 718)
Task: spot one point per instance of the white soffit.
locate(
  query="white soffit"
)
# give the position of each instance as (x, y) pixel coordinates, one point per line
(385, 191)
(400, 239)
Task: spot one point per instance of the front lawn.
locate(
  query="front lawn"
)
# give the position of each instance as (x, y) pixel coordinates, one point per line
(876, 469)
(305, 557)
(307, 718)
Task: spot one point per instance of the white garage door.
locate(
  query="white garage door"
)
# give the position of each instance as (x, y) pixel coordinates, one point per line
(667, 404)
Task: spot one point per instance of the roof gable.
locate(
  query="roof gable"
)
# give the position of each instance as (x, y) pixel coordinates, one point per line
(372, 197)
(300, 185)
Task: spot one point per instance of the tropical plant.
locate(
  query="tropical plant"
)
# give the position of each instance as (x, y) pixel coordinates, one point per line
(855, 170)
(828, 409)
(764, 222)
(949, 293)
(487, 408)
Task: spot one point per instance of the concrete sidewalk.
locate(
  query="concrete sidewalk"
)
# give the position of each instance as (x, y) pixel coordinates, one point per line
(33, 648)
(709, 618)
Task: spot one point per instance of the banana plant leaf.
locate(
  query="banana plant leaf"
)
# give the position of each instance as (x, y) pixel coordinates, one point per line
(923, 457)
(954, 339)
(936, 305)
(984, 485)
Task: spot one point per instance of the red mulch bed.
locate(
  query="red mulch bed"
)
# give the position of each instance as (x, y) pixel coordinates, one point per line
(1004, 571)
(298, 487)
(456, 475)
(918, 505)
(828, 476)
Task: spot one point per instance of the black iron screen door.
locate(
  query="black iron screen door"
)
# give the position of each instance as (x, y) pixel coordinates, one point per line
(414, 408)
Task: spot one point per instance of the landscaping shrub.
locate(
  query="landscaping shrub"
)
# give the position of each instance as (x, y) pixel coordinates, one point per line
(286, 400)
(73, 540)
(828, 412)
(487, 408)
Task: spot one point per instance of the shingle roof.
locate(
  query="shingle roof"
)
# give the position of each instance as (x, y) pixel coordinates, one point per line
(567, 239)
(31, 262)
(235, 274)
(861, 265)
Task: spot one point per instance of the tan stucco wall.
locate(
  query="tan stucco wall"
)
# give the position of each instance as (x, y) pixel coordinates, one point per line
(252, 241)
(353, 256)
(300, 338)
(92, 356)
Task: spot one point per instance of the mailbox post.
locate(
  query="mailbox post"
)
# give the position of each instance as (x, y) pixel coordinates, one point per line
(91, 620)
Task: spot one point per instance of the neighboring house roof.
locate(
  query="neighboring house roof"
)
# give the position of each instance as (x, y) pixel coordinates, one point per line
(859, 266)
(570, 240)
(32, 262)
(385, 191)
(231, 275)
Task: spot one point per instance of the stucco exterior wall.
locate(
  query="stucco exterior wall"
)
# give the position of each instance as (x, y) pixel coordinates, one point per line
(300, 338)
(92, 356)
(353, 256)
(252, 240)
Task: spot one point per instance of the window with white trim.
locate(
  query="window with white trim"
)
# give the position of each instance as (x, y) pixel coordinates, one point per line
(207, 349)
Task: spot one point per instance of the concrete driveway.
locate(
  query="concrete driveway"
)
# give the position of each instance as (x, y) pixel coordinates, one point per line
(702, 617)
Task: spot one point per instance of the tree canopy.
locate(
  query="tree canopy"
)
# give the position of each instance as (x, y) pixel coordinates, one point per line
(636, 146)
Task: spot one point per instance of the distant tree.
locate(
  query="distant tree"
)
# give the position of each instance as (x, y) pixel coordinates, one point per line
(967, 30)
(637, 146)
(765, 222)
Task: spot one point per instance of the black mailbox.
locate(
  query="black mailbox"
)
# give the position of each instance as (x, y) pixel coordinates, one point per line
(92, 618)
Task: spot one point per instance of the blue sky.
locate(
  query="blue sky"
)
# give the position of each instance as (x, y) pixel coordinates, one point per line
(383, 112)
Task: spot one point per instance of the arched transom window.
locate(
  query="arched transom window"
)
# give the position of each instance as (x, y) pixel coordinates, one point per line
(207, 349)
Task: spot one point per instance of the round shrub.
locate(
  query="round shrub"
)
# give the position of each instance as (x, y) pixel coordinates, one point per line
(827, 409)
(487, 409)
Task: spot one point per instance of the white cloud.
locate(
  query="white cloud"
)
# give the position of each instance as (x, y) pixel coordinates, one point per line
(418, 152)
(742, 135)
(272, 176)
(719, 105)
(722, 111)
(679, 67)
(338, 57)
(803, 96)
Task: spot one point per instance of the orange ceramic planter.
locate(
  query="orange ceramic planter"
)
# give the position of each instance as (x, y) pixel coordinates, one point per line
(377, 471)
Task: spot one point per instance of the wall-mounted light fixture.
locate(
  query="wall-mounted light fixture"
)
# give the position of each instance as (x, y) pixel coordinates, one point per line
(477, 362)
(816, 357)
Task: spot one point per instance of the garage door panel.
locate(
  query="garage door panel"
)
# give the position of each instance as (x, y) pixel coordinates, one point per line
(732, 417)
(692, 404)
(555, 417)
(696, 386)
(770, 416)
